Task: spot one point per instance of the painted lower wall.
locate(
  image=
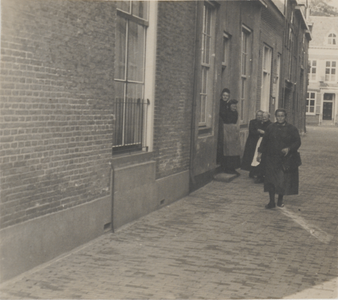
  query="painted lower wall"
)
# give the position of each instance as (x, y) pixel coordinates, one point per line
(29, 244)
(312, 119)
(136, 193)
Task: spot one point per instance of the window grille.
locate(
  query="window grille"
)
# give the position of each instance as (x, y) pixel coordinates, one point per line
(130, 108)
(130, 121)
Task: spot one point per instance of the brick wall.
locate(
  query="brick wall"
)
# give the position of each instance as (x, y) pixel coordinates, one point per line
(56, 91)
(273, 19)
(174, 85)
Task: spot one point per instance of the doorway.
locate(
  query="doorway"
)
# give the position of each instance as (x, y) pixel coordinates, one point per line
(327, 111)
(327, 106)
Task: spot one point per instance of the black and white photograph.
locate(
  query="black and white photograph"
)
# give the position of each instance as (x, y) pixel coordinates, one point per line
(168, 149)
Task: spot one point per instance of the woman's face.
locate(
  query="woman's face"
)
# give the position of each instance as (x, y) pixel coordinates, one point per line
(233, 107)
(280, 117)
(265, 117)
(225, 96)
(259, 116)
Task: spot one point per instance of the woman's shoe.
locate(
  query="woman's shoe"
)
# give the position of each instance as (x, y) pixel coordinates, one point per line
(280, 204)
(270, 205)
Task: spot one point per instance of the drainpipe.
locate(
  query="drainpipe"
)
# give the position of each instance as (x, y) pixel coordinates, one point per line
(193, 116)
(112, 197)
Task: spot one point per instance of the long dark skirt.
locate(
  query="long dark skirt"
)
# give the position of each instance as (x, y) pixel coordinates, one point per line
(249, 151)
(228, 147)
(285, 183)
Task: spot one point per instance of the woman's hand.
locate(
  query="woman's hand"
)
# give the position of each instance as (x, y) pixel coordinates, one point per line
(259, 157)
(261, 131)
(285, 151)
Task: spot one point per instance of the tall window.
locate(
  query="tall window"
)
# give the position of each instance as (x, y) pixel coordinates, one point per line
(310, 102)
(266, 78)
(277, 80)
(130, 105)
(207, 65)
(245, 70)
(312, 70)
(330, 70)
(291, 62)
(331, 39)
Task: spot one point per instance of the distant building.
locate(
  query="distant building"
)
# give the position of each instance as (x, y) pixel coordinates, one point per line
(109, 109)
(322, 96)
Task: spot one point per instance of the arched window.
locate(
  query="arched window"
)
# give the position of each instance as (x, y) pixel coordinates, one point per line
(331, 39)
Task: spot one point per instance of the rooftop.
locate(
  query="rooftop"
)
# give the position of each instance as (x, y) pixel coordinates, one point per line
(322, 27)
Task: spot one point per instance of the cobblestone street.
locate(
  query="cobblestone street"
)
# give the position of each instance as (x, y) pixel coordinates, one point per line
(217, 243)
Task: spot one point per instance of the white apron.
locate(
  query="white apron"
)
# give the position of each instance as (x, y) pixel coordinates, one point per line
(231, 143)
(254, 162)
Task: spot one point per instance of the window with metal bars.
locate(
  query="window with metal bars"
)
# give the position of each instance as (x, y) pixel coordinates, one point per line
(130, 107)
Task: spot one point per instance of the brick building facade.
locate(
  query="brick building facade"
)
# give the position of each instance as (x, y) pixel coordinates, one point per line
(109, 110)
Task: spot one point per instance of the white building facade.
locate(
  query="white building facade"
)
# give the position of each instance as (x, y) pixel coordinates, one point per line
(322, 96)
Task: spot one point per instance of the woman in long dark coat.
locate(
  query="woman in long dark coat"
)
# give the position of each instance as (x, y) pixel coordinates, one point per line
(280, 139)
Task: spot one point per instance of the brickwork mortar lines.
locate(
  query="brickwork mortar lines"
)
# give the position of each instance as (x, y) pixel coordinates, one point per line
(56, 91)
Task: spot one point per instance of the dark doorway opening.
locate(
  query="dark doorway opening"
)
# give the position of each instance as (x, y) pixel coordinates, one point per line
(327, 110)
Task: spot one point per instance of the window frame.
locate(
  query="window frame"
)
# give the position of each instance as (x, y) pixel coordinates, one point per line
(313, 75)
(308, 102)
(266, 77)
(277, 79)
(330, 68)
(207, 66)
(332, 39)
(148, 75)
(246, 52)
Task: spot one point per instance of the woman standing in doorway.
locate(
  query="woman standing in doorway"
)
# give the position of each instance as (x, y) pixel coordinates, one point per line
(223, 107)
(228, 143)
(280, 141)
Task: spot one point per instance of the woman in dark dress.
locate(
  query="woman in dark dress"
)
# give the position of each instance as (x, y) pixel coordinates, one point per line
(223, 106)
(280, 139)
(260, 169)
(231, 142)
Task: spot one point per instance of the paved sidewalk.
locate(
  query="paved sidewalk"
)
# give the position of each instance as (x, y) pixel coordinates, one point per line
(217, 243)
